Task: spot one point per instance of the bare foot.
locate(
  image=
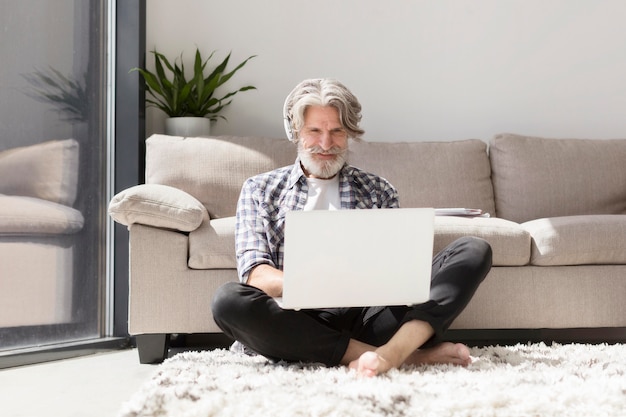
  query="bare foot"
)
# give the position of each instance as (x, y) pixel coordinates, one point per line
(443, 353)
(370, 364)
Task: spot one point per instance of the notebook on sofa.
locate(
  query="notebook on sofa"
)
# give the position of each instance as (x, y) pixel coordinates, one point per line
(355, 258)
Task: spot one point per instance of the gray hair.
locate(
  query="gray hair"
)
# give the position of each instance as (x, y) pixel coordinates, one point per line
(323, 92)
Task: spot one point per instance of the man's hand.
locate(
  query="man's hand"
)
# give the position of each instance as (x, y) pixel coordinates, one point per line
(268, 279)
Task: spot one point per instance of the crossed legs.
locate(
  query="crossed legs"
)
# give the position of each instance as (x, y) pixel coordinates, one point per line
(457, 272)
(369, 342)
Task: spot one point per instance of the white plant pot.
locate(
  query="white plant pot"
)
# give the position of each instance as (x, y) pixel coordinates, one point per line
(188, 126)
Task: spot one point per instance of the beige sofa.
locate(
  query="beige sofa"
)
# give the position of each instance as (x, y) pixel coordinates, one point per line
(38, 225)
(557, 225)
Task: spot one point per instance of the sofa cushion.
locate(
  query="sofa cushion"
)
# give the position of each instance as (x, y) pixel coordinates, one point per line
(578, 240)
(157, 205)
(33, 216)
(509, 242)
(431, 174)
(213, 169)
(537, 178)
(212, 245)
(48, 170)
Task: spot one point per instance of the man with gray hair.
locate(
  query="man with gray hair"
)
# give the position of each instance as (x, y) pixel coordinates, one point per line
(321, 115)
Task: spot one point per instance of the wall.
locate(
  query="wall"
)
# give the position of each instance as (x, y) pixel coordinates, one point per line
(423, 70)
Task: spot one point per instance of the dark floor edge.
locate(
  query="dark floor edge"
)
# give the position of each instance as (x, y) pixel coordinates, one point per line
(489, 337)
(48, 353)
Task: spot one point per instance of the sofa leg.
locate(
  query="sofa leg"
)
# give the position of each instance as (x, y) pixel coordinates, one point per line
(152, 347)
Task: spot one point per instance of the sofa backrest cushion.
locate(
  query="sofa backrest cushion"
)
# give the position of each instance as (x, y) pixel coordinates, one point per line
(536, 178)
(213, 169)
(431, 174)
(426, 174)
(47, 170)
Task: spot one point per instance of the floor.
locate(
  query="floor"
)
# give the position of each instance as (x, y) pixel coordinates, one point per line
(95, 386)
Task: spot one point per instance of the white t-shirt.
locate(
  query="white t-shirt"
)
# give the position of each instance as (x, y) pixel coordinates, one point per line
(323, 194)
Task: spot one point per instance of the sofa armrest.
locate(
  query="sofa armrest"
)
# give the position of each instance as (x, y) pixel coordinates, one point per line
(165, 295)
(157, 205)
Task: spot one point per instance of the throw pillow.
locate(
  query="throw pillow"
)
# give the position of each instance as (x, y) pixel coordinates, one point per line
(157, 205)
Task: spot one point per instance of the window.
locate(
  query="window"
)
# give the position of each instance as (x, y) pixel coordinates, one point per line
(53, 172)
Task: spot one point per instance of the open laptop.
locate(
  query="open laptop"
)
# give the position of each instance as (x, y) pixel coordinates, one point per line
(357, 258)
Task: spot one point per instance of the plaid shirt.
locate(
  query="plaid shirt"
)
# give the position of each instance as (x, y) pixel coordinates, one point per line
(265, 198)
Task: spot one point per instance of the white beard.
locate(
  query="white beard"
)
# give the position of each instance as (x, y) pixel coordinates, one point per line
(322, 169)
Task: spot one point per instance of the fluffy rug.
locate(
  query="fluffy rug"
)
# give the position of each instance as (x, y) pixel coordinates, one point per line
(521, 380)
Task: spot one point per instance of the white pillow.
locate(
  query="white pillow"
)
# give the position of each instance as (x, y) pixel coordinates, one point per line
(48, 170)
(157, 205)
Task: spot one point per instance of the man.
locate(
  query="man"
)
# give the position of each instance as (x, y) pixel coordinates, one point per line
(321, 115)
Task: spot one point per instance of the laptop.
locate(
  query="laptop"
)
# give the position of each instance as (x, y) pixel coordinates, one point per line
(357, 258)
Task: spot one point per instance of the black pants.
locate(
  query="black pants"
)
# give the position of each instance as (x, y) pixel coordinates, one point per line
(250, 316)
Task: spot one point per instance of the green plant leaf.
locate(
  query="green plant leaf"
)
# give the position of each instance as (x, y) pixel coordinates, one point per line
(68, 94)
(227, 77)
(176, 95)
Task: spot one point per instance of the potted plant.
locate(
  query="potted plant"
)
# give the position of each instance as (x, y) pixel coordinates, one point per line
(191, 103)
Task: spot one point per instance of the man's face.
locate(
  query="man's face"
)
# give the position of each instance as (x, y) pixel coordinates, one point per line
(323, 144)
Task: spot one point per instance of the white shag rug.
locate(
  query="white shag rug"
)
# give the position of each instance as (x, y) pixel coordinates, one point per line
(522, 380)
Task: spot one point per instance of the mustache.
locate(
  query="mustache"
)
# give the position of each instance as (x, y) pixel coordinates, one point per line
(335, 150)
